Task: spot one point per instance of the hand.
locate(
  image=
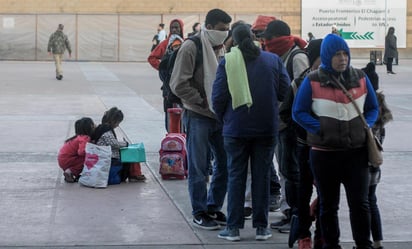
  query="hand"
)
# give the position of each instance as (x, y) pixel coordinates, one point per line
(127, 143)
(70, 55)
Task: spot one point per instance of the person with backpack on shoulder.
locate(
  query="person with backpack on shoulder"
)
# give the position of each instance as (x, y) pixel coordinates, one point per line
(278, 40)
(156, 56)
(300, 229)
(192, 82)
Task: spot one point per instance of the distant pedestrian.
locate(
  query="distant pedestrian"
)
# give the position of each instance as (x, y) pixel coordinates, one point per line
(336, 31)
(58, 43)
(161, 35)
(195, 29)
(391, 49)
(311, 37)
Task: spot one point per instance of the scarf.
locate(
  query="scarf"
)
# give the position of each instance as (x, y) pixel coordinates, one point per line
(237, 78)
(210, 39)
(282, 44)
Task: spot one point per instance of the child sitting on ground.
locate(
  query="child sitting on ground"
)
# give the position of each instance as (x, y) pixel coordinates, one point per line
(105, 135)
(71, 155)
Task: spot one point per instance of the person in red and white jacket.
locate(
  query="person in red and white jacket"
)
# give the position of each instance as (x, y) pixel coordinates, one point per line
(337, 138)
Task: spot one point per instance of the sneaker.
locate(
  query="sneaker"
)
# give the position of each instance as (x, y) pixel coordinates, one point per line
(305, 243)
(68, 176)
(294, 231)
(139, 178)
(285, 228)
(274, 203)
(231, 234)
(218, 217)
(262, 233)
(279, 224)
(247, 213)
(205, 222)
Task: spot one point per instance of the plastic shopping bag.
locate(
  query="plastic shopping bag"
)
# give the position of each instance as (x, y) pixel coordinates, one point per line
(96, 166)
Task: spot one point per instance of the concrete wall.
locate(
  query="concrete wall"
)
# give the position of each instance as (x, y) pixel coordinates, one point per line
(288, 11)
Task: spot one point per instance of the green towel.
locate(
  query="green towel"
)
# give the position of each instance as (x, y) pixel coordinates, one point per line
(237, 79)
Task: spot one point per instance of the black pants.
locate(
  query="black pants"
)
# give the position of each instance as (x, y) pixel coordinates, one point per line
(389, 62)
(350, 168)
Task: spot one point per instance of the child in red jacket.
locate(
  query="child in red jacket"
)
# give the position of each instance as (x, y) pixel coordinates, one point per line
(72, 153)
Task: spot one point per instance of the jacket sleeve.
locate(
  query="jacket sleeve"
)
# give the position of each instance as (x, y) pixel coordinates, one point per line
(300, 64)
(49, 45)
(83, 140)
(285, 109)
(284, 81)
(302, 106)
(67, 43)
(371, 107)
(220, 92)
(183, 74)
(157, 54)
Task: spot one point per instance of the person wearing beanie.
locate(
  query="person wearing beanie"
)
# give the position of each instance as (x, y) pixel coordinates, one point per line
(278, 40)
(301, 221)
(337, 137)
(259, 25)
(58, 43)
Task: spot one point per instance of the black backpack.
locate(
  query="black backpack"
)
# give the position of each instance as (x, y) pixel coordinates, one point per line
(166, 68)
(289, 64)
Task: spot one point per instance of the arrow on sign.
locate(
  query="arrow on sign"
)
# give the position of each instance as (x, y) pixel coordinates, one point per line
(356, 36)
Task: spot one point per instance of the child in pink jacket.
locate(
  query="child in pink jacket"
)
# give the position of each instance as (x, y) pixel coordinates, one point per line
(71, 155)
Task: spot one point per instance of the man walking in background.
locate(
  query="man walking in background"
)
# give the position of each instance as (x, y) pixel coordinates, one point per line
(57, 45)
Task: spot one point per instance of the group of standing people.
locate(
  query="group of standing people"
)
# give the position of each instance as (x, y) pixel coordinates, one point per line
(231, 102)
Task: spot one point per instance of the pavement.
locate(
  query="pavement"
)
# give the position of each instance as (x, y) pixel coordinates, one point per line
(39, 210)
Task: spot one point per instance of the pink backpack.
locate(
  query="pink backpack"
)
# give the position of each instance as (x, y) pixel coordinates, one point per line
(173, 158)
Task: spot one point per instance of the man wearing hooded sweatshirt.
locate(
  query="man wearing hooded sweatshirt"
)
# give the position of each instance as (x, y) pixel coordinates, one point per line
(337, 138)
(58, 43)
(192, 83)
(155, 57)
(176, 27)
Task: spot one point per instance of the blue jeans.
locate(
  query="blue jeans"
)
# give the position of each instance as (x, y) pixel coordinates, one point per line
(260, 151)
(350, 168)
(204, 134)
(376, 224)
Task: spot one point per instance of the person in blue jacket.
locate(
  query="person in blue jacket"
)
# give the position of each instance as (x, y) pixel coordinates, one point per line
(248, 86)
(337, 138)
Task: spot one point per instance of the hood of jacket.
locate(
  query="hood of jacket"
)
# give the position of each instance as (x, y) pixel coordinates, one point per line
(330, 45)
(181, 27)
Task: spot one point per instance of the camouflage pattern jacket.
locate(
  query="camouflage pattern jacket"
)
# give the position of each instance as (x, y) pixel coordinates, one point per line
(58, 43)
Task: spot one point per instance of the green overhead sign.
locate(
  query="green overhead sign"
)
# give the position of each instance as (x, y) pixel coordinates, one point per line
(356, 36)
